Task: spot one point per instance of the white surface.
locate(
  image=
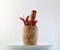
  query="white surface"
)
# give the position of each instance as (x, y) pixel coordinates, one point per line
(48, 16)
(20, 47)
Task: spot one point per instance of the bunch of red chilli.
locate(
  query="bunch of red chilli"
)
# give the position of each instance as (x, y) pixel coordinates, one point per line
(27, 22)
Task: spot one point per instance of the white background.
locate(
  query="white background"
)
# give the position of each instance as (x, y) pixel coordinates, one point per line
(48, 15)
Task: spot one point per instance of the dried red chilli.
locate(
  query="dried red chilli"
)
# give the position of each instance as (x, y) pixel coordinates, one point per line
(22, 19)
(35, 22)
(27, 18)
(26, 21)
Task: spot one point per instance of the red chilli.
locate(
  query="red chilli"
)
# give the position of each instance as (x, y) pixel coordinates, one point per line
(22, 19)
(26, 21)
(34, 23)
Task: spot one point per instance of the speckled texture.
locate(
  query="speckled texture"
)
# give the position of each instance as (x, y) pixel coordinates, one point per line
(30, 35)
